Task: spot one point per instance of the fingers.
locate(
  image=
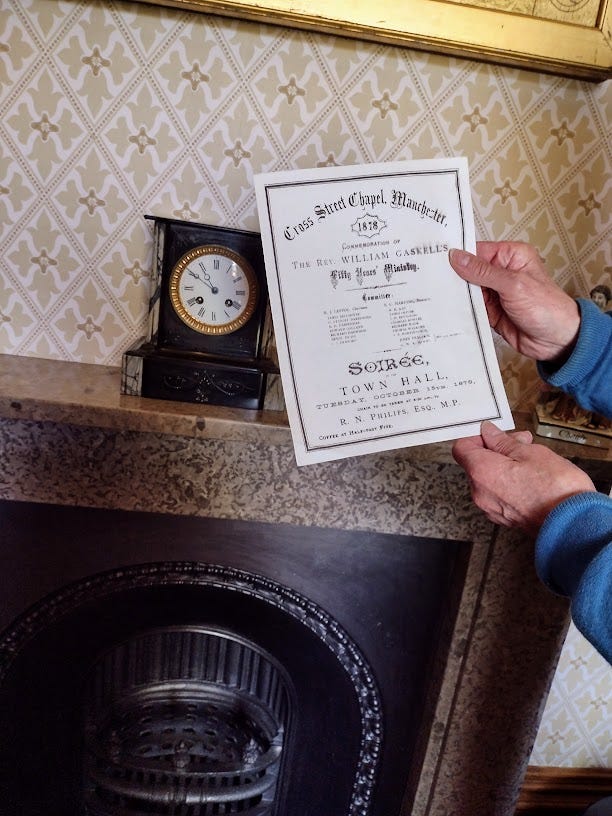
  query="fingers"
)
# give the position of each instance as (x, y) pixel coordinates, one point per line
(524, 304)
(509, 254)
(510, 445)
(490, 439)
(487, 250)
(516, 483)
(482, 467)
(476, 270)
(463, 449)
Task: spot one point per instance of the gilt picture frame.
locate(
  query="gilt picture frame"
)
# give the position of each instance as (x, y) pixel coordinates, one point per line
(578, 43)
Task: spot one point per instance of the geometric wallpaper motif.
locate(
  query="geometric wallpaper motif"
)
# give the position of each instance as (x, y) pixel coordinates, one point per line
(576, 727)
(112, 110)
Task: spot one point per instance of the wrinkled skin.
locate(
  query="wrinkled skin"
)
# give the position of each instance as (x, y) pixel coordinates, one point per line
(524, 305)
(515, 482)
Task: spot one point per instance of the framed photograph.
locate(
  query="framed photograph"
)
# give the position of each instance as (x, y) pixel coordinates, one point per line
(566, 37)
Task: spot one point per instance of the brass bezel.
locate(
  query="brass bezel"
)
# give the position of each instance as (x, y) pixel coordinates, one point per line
(202, 326)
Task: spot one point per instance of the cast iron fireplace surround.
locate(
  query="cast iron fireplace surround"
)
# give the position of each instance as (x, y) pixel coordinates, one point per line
(166, 664)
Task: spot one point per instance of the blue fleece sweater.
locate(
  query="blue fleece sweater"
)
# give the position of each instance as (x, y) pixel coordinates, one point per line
(574, 546)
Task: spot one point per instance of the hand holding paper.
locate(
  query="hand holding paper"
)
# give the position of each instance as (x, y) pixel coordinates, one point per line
(516, 483)
(534, 315)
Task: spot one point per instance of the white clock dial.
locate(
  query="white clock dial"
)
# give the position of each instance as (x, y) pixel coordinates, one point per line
(213, 289)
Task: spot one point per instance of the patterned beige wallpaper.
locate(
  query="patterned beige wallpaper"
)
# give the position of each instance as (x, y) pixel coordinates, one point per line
(110, 110)
(576, 729)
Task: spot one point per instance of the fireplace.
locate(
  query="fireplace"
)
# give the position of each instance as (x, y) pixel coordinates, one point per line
(82, 449)
(160, 664)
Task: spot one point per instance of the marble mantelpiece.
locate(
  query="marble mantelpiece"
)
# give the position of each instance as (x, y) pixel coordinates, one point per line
(214, 464)
(89, 395)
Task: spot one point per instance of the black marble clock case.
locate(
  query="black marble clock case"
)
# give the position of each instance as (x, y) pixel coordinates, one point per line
(172, 239)
(177, 363)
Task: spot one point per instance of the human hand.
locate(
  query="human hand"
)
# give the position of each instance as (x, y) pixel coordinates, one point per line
(515, 482)
(524, 305)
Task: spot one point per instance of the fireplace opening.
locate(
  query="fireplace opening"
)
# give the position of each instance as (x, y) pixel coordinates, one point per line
(262, 669)
(184, 721)
(330, 736)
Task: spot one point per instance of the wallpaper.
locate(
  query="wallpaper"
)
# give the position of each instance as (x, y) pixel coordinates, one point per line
(113, 110)
(576, 729)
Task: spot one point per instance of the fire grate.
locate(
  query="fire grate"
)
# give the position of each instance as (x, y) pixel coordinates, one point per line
(184, 722)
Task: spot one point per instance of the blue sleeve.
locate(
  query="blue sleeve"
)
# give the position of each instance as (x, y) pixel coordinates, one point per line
(587, 374)
(574, 558)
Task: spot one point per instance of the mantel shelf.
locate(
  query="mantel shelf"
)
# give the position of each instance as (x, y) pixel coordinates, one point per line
(85, 394)
(35, 389)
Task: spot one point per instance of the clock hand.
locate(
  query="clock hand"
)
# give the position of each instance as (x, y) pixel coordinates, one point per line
(195, 275)
(214, 289)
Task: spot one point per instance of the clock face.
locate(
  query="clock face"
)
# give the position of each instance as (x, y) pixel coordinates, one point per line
(213, 290)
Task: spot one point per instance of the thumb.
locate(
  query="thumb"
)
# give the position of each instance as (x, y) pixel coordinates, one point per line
(512, 446)
(476, 270)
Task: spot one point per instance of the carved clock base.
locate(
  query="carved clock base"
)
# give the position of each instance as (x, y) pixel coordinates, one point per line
(150, 372)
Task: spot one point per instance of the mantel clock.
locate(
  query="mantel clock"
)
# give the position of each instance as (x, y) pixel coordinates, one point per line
(206, 318)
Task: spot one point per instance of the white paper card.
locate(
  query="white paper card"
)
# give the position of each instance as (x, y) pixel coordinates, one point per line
(381, 345)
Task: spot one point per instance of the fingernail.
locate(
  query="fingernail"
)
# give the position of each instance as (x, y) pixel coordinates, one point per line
(459, 257)
(487, 425)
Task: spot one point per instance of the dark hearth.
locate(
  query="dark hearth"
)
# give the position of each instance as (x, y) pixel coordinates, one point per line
(155, 664)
